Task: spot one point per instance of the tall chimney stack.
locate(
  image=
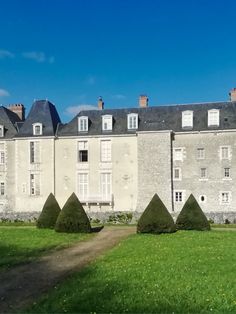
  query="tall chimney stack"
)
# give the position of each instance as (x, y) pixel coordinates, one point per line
(143, 101)
(232, 94)
(100, 103)
(19, 109)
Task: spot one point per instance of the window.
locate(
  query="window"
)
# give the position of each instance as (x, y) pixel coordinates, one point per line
(105, 150)
(177, 174)
(187, 119)
(83, 124)
(132, 121)
(106, 186)
(224, 152)
(202, 198)
(213, 117)
(200, 153)
(82, 151)
(34, 184)
(227, 172)
(83, 186)
(225, 197)
(2, 188)
(203, 173)
(2, 154)
(1, 130)
(179, 197)
(37, 129)
(178, 154)
(34, 152)
(107, 123)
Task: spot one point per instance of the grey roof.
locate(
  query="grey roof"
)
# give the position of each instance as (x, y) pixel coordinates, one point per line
(9, 120)
(44, 112)
(156, 118)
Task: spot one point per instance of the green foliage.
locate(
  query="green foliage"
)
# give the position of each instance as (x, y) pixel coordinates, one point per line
(72, 217)
(122, 218)
(49, 214)
(192, 217)
(156, 218)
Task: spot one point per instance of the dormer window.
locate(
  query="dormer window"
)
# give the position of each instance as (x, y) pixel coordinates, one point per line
(37, 129)
(213, 117)
(187, 119)
(107, 123)
(132, 121)
(1, 130)
(83, 124)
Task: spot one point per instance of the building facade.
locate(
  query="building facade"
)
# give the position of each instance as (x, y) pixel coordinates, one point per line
(116, 159)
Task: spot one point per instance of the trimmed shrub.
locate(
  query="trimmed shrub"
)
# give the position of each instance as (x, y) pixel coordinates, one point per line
(72, 217)
(156, 218)
(192, 217)
(49, 214)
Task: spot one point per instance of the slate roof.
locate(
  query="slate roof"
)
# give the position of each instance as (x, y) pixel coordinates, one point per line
(9, 120)
(154, 119)
(44, 112)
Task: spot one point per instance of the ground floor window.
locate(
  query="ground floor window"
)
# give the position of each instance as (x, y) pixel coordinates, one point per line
(83, 186)
(179, 196)
(34, 184)
(106, 186)
(225, 197)
(2, 188)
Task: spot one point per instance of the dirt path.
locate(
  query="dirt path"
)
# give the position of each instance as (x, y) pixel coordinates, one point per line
(21, 285)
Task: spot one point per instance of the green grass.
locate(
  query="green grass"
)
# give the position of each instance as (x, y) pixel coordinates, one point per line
(22, 244)
(185, 272)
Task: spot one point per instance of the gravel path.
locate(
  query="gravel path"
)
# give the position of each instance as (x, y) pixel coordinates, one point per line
(21, 285)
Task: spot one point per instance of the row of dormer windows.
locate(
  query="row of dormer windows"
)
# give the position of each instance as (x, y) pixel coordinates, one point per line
(213, 118)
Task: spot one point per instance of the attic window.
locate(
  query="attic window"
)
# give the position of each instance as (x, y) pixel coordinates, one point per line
(1, 130)
(37, 129)
(107, 123)
(132, 121)
(213, 117)
(83, 124)
(187, 119)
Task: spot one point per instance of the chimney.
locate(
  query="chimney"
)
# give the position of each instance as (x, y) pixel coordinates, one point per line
(232, 94)
(19, 109)
(143, 101)
(100, 103)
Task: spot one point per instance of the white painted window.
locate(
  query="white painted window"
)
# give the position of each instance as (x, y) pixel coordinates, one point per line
(83, 124)
(2, 188)
(200, 153)
(225, 197)
(34, 184)
(82, 151)
(37, 129)
(225, 152)
(34, 152)
(203, 173)
(106, 188)
(132, 121)
(213, 117)
(179, 196)
(178, 154)
(187, 119)
(226, 172)
(2, 154)
(177, 174)
(1, 130)
(107, 123)
(105, 150)
(83, 186)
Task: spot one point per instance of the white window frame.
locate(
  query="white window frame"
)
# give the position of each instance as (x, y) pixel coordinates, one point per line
(203, 170)
(106, 186)
(34, 184)
(37, 128)
(225, 197)
(34, 156)
(83, 124)
(107, 122)
(179, 178)
(2, 188)
(1, 130)
(187, 119)
(227, 172)
(83, 186)
(132, 121)
(178, 156)
(2, 154)
(213, 117)
(223, 156)
(105, 150)
(82, 146)
(200, 153)
(179, 196)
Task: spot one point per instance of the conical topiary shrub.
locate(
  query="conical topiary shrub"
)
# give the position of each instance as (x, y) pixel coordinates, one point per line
(72, 217)
(192, 217)
(49, 214)
(156, 218)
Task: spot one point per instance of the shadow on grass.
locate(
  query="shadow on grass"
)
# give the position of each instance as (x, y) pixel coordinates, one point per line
(96, 229)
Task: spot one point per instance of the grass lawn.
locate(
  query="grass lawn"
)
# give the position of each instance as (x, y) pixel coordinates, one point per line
(20, 244)
(185, 272)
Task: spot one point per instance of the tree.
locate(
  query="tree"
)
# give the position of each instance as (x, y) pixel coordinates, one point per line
(49, 214)
(156, 218)
(192, 217)
(72, 217)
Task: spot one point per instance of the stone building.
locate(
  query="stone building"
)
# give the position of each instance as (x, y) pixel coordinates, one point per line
(116, 159)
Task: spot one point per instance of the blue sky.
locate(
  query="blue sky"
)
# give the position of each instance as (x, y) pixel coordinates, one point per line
(73, 51)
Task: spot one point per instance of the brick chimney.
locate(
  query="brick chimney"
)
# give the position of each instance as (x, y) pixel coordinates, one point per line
(143, 101)
(232, 94)
(19, 109)
(100, 103)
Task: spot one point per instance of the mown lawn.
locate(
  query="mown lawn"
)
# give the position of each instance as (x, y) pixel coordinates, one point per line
(22, 244)
(185, 272)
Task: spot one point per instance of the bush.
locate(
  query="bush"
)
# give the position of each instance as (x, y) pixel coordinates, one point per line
(156, 218)
(192, 217)
(72, 217)
(49, 214)
(122, 218)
